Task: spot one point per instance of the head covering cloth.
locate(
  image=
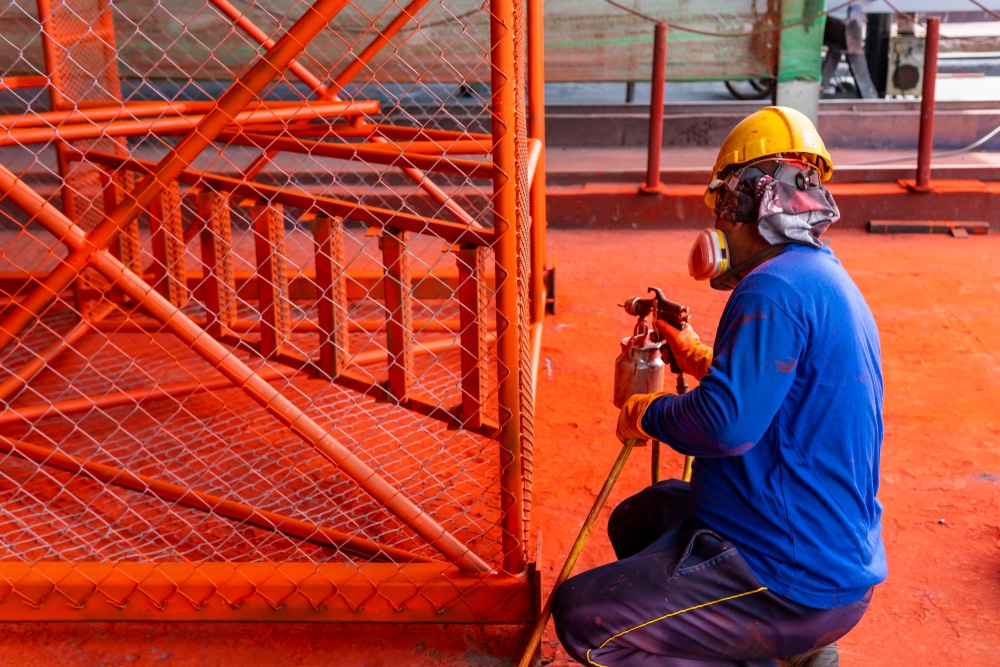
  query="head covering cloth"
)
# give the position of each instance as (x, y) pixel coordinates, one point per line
(784, 197)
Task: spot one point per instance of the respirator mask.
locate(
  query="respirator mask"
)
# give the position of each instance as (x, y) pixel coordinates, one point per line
(783, 197)
(709, 259)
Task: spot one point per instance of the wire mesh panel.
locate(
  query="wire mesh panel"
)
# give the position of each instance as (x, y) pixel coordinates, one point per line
(265, 334)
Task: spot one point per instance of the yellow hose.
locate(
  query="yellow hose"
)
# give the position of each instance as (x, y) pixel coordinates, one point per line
(575, 551)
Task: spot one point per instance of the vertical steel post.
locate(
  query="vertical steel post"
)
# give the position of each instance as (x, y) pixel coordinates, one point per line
(536, 130)
(274, 303)
(167, 240)
(927, 103)
(397, 286)
(652, 184)
(331, 294)
(505, 253)
(470, 261)
(218, 274)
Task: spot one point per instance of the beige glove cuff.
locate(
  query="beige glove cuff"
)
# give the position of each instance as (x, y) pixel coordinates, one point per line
(630, 417)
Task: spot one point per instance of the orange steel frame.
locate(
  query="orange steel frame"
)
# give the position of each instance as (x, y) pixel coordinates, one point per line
(459, 586)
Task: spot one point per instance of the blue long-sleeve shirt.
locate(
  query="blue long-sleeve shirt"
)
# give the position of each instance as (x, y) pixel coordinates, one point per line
(786, 430)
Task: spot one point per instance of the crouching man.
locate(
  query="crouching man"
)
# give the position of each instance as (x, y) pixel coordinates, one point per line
(771, 553)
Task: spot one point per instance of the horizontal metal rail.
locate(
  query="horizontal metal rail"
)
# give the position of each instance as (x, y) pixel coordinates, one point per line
(87, 129)
(446, 229)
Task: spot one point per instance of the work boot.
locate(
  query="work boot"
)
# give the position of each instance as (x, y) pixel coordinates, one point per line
(828, 656)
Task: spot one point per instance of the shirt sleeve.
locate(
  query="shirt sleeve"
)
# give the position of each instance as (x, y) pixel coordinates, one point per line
(757, 350)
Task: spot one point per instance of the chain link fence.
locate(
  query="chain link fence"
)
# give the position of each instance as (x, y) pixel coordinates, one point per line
(267, 328)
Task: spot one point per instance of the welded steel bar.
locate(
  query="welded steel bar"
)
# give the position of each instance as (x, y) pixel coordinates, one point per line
(207, 502)
(536, 151)
(238, 372)
(103, 114)
(398, 291)
(133, 325)
(391, 155)
(655, 148)
(109, 400)
(166, 236)
(218, 276)
(127, 247)
(447, 230)
(16, 82)
(536, 355)
(331, 294)
(362, 283)
(439, 147)
(536, 132)
(183, 123)
(403, 133)
(381, 40)
(926, 139)
(436, 193)
(239, 95)
(272, 278)
(503, 104)
(471, 262)
(299, 70)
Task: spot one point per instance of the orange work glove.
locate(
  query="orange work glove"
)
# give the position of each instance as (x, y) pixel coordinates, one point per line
(693, 357)
(630, 418)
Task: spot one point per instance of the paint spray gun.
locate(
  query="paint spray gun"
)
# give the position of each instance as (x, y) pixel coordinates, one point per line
(640, 367)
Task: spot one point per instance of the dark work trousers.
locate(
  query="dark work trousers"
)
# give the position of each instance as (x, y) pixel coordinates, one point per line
(681, 596)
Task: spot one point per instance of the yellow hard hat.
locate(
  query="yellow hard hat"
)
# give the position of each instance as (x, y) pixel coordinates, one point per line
(771, 132)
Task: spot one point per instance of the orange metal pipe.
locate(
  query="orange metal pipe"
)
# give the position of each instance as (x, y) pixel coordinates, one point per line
(372, 154)
(299, 326)
(437, 194)
(655, 147)
(15, 82)
(115, 399)
(535, 152)
(296, 68)
(250, 28)
(89, 129)
(48, 119)
(442, 147)
(505, 252)
(239, 95)
(925, 140)
(536, 131)
(381, 40)
(207, 502)
(249, 381)
(428, 134)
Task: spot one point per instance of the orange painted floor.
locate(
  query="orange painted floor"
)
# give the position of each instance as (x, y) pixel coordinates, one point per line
(937, 302)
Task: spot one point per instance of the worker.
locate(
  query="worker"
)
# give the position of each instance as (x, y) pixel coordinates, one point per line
(771, 553)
